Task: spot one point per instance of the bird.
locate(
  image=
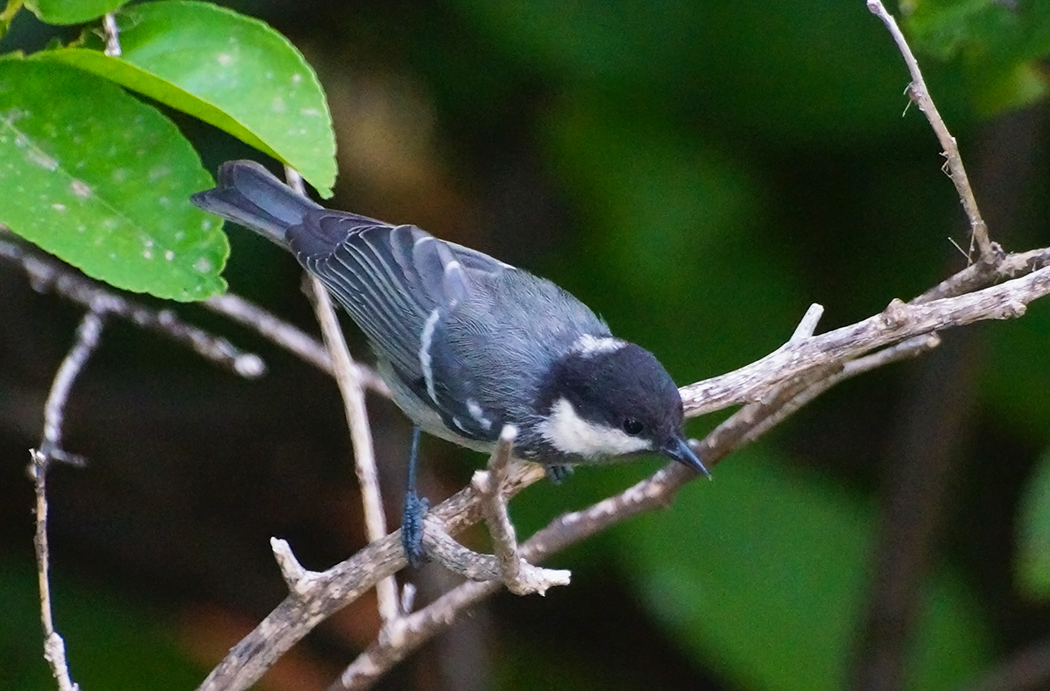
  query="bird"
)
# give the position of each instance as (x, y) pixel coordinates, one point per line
(466, 343)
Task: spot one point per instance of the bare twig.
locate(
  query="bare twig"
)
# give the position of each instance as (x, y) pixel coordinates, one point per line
(520, 577)
(352, 389)
(54, 276)
(918, 92)
(808, 325)
(899, 321)
(977, 276)
(911, 348)
(87, 340)
(504, 537)
(341, 584)
(416, 629)
(300, 581)
(288, 336)
(112, 33)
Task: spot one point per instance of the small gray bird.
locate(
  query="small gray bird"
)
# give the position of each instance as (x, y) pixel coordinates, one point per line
(466, 343)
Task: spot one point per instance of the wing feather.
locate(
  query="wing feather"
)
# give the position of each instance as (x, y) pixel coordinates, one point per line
(391, 280)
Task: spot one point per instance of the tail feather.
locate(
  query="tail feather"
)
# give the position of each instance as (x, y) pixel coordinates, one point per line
(251, 196)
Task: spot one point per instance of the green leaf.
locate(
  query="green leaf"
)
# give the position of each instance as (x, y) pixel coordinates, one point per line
(998, 48)
(1033, 534)
(764, 573)
(102, 181)
(71, 11)
(228, 70)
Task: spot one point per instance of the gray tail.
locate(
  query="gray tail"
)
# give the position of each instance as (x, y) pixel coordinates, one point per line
(251, 196)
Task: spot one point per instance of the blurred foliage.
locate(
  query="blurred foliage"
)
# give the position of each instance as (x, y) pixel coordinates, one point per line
(698, 173)
(1033, 534)
(112, 641)
(998, 46)
(772, 577)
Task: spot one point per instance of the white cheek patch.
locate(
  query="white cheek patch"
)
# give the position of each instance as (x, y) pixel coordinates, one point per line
(588, 345)
(569, 433)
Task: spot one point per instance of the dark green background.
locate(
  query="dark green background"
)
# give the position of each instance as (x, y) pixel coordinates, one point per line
(698, 173)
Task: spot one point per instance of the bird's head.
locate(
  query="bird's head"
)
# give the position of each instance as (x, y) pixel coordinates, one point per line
(613, 398)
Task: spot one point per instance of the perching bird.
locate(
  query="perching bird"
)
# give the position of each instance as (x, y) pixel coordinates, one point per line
(466, 343)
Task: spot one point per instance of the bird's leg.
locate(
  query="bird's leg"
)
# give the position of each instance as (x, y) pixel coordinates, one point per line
(557, 473)
(415, 509)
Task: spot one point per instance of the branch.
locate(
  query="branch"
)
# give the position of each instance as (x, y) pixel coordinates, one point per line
(54, 276)
(520, 577)
(340, 585)
(287, 336)
(898, 322)
(770, 385)
(87, 340)
(111, 34)
(918, 92)
(351, 388)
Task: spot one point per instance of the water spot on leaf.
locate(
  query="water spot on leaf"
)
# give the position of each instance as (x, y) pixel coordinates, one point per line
(169, 255)
(80, 189)
(58, 207)
(39, 158)
(202, 265)
(224, 59)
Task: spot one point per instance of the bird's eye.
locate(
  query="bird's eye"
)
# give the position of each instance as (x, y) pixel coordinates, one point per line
(632, 426)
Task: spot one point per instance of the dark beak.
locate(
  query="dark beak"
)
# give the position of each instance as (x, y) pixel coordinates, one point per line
(679, 450)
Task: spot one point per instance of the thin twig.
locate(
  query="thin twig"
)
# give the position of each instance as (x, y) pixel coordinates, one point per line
(112, 33)
(905, 350)
(899, 321)
(50, 275)
(956, 171)
(288, 336)
(341, 584)
(520, 577)
(808, 324)
(504, 537)
(352, 390)
(87, 339)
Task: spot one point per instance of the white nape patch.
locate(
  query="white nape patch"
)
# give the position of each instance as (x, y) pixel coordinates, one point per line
(424, 352)
(571, 434)
(588, 345)
(478, 414)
